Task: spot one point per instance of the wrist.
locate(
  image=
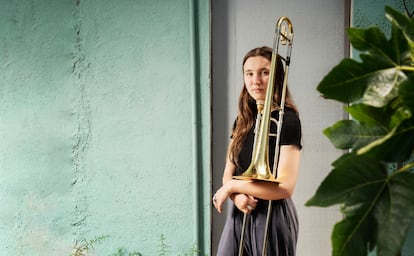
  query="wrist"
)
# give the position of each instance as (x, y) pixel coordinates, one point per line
(230, 186)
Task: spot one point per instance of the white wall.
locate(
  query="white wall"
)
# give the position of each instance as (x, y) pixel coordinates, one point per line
(319, 44)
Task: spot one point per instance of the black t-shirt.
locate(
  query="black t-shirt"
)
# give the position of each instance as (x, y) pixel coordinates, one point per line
(291, 134)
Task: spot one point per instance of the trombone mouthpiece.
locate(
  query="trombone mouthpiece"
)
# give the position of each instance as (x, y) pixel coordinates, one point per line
(260, 105)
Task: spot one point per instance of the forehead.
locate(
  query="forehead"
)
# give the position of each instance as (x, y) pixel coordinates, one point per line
(256, 63)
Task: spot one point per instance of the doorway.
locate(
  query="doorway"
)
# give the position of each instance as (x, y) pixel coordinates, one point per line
(319, 44)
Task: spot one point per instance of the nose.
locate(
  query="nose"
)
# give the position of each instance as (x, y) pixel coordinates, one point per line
(257, 79)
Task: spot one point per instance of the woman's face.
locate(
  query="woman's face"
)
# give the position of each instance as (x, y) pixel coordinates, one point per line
(256, 71)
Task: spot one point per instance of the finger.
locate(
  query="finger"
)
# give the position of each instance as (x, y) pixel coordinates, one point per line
(252, 198)
(218, 207)
(252, 201)
(217, 204)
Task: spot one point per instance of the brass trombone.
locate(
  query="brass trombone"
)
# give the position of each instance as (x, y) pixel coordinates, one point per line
(259, 166)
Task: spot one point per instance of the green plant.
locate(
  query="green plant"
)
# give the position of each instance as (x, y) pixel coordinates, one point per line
(377, 201)
(192, 251)
(82, 248)
(163, 249)
(124, 252)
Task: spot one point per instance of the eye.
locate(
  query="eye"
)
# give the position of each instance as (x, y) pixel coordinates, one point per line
(248, 73)
(265, 72)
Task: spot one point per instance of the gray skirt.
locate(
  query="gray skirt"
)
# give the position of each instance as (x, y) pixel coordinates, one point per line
(282, 233)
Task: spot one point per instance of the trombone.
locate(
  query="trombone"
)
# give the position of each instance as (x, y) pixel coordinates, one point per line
(259, 168)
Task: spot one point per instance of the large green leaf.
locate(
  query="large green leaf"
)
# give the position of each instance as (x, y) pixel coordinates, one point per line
(355, 183)
(395, 213)
(395, 146)
(350, 176)
(375, 81)
(390, 213)
(405, 24)
(346, 82)
(369, 115)
(383, 87)
(349, 134)
(400, 48)
(349, 80)
(370, 200)
(372, 41)
(353, 236)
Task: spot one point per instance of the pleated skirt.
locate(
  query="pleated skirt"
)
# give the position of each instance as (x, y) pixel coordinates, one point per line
(282, 233)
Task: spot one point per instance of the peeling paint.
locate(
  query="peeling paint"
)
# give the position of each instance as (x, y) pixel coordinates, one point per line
(82, 132)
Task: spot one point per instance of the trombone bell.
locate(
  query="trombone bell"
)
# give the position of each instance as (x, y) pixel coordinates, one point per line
(259, 173)
(259, 166)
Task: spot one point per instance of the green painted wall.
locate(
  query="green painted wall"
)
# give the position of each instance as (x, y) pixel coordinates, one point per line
(367, 13)
(104, 126)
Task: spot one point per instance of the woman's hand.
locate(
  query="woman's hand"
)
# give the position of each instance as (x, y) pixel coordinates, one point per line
(244, 203)
(221, 195)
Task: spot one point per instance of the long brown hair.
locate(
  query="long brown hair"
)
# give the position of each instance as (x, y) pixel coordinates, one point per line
(247, 105)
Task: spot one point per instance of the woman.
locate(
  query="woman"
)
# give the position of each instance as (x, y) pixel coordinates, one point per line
(252, 197)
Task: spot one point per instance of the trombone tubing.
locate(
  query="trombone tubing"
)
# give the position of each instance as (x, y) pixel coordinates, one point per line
(288, 36)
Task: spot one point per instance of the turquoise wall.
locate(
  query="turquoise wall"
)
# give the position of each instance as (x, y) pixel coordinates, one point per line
(104, 126)
(367, 13)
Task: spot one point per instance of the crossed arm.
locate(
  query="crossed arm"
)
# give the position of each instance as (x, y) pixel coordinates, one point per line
(244, 193)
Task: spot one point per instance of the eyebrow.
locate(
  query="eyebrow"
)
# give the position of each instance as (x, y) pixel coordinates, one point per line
(251, 70)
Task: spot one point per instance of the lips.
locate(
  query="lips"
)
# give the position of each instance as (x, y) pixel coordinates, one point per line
(258, 90)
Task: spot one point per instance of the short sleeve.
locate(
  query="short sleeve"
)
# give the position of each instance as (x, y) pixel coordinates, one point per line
(291, 133)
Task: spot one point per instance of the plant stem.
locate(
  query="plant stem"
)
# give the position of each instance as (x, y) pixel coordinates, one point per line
(406, 68)
(406, 167)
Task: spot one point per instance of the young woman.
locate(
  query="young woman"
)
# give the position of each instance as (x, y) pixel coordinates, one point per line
(252, 197)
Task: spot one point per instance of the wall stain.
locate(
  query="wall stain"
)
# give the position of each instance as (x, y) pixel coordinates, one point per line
(82, 133)
(34, 15)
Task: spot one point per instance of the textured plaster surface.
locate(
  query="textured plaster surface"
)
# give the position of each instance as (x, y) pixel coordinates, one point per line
(96, 124)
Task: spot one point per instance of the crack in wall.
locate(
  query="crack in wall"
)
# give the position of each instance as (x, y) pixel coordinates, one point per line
(82, 134)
